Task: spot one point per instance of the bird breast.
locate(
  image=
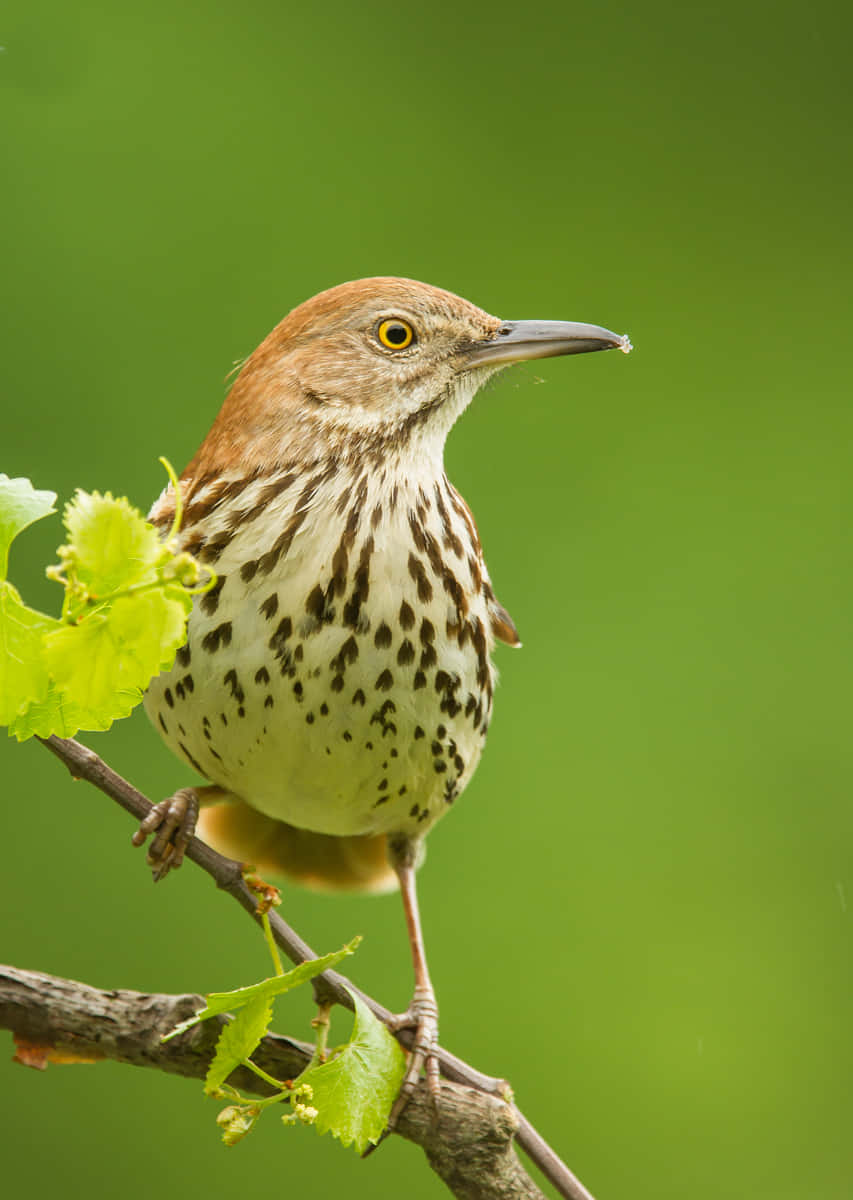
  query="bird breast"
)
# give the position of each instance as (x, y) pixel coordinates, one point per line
(338, 674)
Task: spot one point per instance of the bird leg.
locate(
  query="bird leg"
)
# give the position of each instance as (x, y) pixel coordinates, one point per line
(422, 1013)
(173, 822)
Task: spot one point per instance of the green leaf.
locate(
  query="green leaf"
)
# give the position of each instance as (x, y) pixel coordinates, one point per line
(123, 617)
(111, 545)
(55, 714)
(220, 1002)
(148, 628)
(23, 670)
(20, 506)
(103, 663)
(239, 1039)
(353, 1093)
(90, 669)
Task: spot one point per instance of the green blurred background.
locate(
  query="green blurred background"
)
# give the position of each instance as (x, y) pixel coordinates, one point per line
(640, 913)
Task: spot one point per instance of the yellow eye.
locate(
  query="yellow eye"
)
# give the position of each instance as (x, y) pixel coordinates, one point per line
(395, 334)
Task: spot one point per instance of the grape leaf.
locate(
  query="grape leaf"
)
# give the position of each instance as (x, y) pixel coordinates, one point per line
(148, 627)
(20, 506)
(111, 545)
(55, 714)
(127, 597)
(239, 1039)
(89, 668)
(103, 663)
(220, 1002)
(354, 1092)
(23, 671)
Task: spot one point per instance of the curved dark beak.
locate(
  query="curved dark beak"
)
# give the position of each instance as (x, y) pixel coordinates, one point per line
(517, 341)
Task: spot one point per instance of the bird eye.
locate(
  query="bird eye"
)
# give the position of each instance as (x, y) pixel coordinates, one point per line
(395, 334)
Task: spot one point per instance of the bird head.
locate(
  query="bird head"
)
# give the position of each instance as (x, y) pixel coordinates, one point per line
(375, 363)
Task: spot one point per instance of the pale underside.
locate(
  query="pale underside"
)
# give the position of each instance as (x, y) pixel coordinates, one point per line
(338, 717)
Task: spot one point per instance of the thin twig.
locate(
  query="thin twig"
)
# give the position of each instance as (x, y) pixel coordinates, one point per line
(59, 1020)
(83, 763)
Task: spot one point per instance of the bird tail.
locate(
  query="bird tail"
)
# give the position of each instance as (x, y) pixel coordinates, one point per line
(314, 860)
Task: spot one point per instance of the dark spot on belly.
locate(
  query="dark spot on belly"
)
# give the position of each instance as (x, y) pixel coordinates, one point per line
(210, 600)
(419, 575)
(192, 761)
(220, 636)
(269, 608)
(237, 693)
(277, 642)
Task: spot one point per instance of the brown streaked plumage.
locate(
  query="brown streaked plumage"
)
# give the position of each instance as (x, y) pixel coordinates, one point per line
(336, 685)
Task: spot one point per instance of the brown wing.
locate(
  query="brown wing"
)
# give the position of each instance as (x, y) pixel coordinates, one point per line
(503, 626)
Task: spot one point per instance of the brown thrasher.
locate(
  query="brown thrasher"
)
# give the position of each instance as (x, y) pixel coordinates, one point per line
(336, 683)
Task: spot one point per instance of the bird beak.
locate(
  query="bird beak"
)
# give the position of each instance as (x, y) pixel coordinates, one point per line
(517, 341)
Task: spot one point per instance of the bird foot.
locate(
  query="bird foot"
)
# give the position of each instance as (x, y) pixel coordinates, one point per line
(173, 823)
(422, 1016)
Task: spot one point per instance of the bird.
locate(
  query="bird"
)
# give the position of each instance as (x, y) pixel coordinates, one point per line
(336, 684)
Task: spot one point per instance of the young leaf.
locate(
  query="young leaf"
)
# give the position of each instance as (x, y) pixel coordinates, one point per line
(90, 669)
(353, 1093)
(238, 1040)
(219, 1002)
(55, 714)
(23, 671)
(236, 1121)
(111, 546)
(147, 628)
(20, 505)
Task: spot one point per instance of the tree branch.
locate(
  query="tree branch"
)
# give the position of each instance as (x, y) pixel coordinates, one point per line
(470, 1145)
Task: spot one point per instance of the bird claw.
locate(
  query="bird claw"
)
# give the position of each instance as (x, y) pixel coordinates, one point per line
(422, 1016)
(173, 823)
